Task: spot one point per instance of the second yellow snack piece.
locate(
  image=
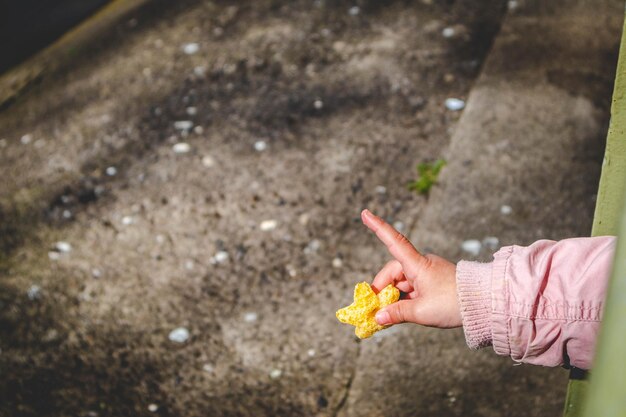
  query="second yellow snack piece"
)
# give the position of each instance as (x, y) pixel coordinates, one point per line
(366, 303)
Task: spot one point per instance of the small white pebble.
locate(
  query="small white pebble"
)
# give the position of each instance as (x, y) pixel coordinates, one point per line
(198, 130)
(179, 335)
(455, 104)
(354, 10)
(291, 270)
(250, 317)
(192, 111)
(191, 48)
(260, 145)
(96, 273)
(63, 247)
(491, 242)
(512, 4)
(199, 71)
(472, 246)
(221, 256)
(54, 255)
(312, 247)
(304, 219)
(381, 189)
(337, 263)
(208, 161)
(506, 210)
(67, 214)
(318, 104)
(26, 139)
(310, 352)
(181, 147)
(160, 239)
(183, 124)
(399, 226)
(111, 171)
(189, 264)
(34, 292)
(127, 220)
(275, 373)
(448, 32)
(51, 335)
(267, 225)
(208, 368)
(153, 408)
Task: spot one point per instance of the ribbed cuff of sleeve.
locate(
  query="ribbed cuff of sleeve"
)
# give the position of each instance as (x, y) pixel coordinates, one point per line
(500, 302)
(473, 282)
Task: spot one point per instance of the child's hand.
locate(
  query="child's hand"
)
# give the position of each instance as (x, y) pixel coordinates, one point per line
(429, 281)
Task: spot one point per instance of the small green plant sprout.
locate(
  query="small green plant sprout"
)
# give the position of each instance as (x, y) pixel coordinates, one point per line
(428, 173)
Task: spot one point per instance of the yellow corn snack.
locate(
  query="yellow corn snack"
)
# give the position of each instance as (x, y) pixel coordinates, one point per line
(366, 303)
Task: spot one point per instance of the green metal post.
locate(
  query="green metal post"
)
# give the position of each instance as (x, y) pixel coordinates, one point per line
(607, 388)
(605, 394)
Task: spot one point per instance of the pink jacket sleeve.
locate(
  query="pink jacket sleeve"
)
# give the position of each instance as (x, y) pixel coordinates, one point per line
(540, 304)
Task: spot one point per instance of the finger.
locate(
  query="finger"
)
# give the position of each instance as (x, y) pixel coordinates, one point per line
(391, 273)
(404, 286)
(411, 295)
(398, 245)
(399, 312)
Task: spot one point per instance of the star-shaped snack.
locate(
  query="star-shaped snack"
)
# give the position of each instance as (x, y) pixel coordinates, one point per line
(366, 303)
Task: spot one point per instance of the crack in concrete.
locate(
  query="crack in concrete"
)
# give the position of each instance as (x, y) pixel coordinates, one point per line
(348, 386)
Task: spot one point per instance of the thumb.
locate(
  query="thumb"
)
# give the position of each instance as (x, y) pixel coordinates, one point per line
(398, 312)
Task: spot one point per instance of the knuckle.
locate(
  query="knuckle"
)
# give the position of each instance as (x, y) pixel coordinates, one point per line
(400, 237)
(428, 260)
(397, 314)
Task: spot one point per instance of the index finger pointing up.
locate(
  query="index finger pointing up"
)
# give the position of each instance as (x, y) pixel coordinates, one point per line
(398, 245)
